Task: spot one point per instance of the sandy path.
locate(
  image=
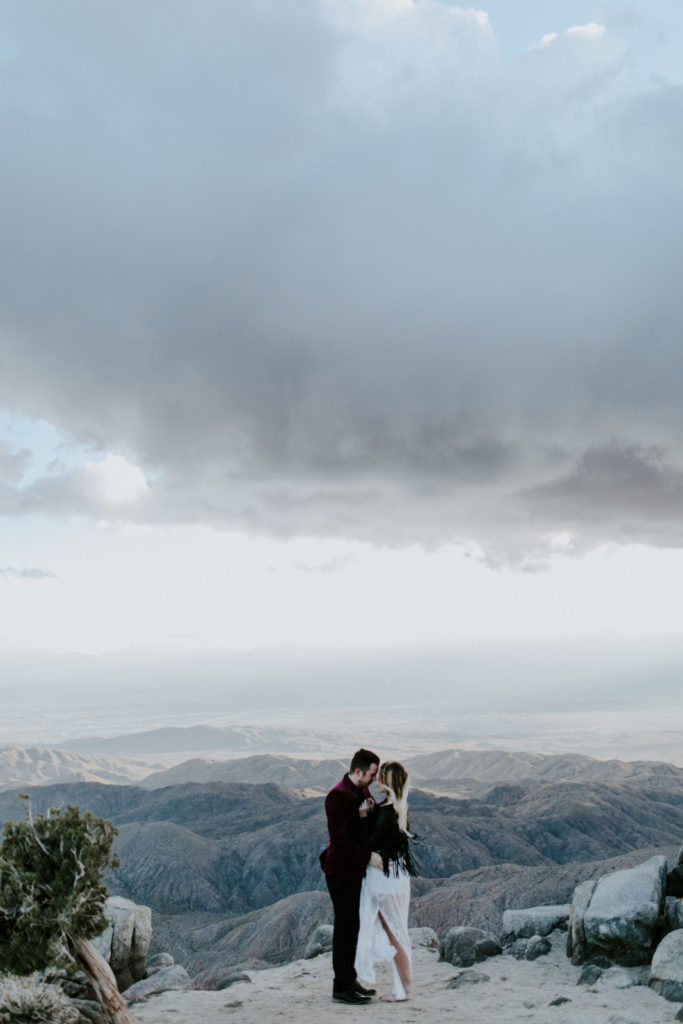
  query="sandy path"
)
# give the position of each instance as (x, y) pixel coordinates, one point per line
(518, 993)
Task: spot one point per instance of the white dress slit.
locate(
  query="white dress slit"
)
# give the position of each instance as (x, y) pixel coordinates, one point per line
(390, 897)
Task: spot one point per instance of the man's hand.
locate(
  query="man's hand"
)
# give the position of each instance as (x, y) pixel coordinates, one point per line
(366, 807)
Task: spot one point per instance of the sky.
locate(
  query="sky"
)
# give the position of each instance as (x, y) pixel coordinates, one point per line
(351, 325)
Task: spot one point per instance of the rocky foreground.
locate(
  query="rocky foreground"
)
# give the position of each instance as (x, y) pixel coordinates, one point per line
(503, 989)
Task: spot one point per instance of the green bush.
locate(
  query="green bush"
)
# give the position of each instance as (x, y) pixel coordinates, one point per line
(51, 887)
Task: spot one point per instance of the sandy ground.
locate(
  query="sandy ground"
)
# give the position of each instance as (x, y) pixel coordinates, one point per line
(516, 992)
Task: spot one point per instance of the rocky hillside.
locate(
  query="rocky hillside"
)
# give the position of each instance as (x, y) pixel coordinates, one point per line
(302, 774)
(228, 847)
(486, 767)
(40, 766)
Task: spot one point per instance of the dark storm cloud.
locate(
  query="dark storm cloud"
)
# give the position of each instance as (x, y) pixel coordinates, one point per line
(334, 268)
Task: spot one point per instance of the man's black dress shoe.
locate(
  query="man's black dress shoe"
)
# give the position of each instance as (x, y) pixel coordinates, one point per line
(350, 995)
(364, 991)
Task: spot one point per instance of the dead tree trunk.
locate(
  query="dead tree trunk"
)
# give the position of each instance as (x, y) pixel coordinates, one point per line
(103, 981)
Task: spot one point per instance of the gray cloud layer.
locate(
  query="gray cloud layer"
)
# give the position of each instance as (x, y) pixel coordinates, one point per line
(321, 267)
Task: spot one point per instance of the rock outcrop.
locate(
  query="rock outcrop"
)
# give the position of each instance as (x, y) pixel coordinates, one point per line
(425, 937)
(666, 973)
(620, 915)
(168, 979)
(125, 942)
(158, 962)
(522, 924)
(466, 946)
(319, 942)
(674, 913)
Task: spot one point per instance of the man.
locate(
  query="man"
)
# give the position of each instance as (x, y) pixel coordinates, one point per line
(344, 863)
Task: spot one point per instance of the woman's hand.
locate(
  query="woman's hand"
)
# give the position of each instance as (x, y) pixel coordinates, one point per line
(366, 807)
(375, 861)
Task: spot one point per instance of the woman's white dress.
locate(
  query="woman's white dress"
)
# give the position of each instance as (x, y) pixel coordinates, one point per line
(390, 897)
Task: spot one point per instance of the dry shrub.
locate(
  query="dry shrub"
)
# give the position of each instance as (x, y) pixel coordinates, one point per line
(29, 1000)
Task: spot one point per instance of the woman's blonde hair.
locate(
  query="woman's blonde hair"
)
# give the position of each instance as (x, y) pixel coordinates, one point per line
(394, 778)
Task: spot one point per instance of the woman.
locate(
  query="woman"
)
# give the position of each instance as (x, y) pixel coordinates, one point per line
(385, 895)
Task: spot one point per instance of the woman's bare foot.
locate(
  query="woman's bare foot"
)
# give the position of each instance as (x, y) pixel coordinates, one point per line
(391, 998)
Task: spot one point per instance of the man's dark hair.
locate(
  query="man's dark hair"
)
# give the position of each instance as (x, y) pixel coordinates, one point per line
(363, 759)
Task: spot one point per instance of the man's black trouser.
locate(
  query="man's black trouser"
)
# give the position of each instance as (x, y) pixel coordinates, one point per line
(345, 893)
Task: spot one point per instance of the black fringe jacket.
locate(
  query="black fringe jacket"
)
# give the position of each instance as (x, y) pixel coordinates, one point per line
(383, 835)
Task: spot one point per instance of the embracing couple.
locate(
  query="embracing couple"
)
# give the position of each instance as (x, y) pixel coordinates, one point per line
(367, 867)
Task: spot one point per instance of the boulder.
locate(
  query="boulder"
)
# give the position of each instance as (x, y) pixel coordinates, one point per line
(125, 941)
(89, 1011)
(522, 924)
(537, 946)
(102, 942)
(466, 978)
(674, 913)
(319, 942)
(466, 946)
(619, 915)
(666, 972)
(423, 937)
(577, 944)
(589, 975)
(674, 881)
(158, 962)
(517, 949)
(232, 979)
(620, 977)
(168, 979)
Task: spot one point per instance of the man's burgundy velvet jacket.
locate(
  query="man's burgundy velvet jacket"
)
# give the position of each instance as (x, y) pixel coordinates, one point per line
(345, 856)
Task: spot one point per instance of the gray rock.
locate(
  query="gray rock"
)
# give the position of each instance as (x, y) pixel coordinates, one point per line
(463, 946)
(158, 962)
(601, 961)
(619, 977)
(423, 937)
(589, 975)
(232, 979)
(102, 942)
(168, 979)
(125, 942)
(560, 1001)
(89, 1011)
(465, 978)
(674, 913)
(319, 942)
(487, 948)
(517, 948)
(577, 944)
(537, 946)
(679, 1015)
(522, 924)
(619, 914)
(666, 972)
(75, 986)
